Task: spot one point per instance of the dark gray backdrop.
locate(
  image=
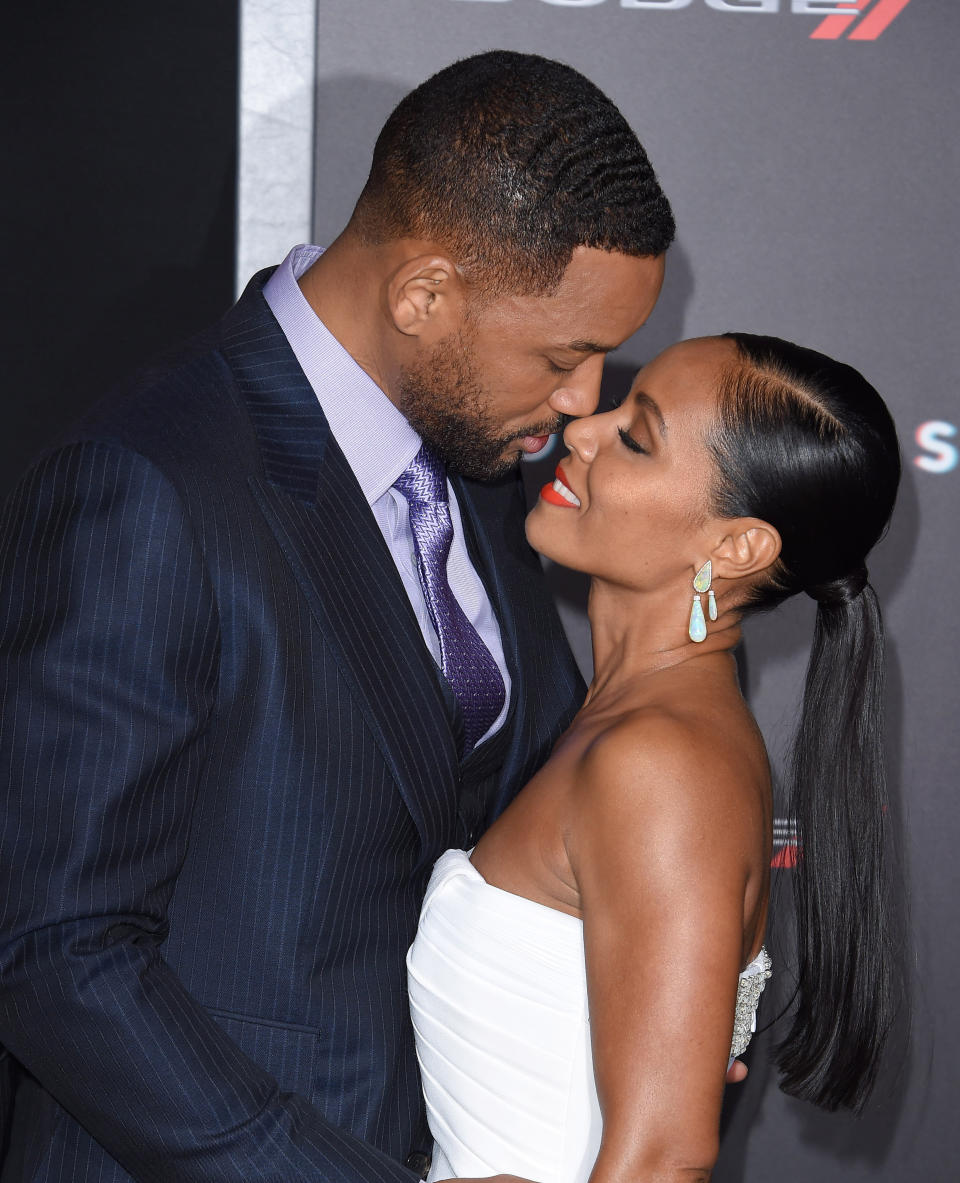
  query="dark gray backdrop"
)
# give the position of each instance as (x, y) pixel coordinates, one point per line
(814, 181)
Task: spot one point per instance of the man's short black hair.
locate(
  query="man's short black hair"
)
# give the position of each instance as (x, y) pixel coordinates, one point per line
(510, 161)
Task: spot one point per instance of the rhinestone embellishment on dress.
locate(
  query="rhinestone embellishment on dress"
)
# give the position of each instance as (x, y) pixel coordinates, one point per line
(749, 989)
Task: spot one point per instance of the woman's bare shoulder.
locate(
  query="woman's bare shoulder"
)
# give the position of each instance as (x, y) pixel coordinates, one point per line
(678, 774)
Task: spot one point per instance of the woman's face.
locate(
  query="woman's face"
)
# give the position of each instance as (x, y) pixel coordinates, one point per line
(633, 507)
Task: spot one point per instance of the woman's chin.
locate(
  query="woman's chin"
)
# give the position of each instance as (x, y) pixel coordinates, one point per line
(546, 537)
(537, 535)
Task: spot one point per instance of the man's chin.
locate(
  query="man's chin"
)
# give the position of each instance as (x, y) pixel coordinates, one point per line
(491, 470)
(487, 465)
(485, 458)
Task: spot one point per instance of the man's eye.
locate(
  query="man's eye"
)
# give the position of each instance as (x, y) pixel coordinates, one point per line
(629, 442)
(560, 369)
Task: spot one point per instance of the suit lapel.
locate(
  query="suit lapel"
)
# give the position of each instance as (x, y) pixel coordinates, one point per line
(315, 508)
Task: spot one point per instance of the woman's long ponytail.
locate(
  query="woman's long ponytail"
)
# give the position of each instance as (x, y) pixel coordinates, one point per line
(843, 1011)
(806, 444)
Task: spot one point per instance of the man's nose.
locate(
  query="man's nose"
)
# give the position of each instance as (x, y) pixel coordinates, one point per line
(580, 393)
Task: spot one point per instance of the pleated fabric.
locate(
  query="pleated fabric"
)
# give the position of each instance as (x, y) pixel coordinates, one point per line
(498, 995)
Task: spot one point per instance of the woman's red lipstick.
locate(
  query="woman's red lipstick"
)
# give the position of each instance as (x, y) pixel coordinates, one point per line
(559, 492)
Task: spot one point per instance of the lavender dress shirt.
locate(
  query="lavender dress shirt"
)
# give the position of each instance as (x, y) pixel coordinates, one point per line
(378, 444)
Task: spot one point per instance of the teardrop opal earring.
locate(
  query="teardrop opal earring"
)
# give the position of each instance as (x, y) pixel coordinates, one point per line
(701, 583)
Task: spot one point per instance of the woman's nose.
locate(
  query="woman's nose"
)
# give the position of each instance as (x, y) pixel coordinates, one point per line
(580, 436)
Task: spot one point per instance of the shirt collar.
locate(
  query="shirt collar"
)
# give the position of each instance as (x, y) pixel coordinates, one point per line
(372, 433)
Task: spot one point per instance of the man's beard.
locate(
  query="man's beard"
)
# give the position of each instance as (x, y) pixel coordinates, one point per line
(446, 404)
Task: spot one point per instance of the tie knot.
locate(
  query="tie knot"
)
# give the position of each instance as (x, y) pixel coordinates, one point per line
(424, 479)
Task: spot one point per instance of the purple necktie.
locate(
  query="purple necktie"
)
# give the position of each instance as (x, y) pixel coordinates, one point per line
(467, 663)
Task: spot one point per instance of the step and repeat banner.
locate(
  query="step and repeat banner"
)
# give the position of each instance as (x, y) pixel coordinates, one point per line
(810, 153)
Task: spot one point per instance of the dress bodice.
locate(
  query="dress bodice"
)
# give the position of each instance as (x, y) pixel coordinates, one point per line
(498, 996)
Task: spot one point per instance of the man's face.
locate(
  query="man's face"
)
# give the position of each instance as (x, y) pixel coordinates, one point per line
(519, 367)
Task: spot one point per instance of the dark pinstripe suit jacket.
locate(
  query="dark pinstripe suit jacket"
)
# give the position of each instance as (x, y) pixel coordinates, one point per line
(227, 768)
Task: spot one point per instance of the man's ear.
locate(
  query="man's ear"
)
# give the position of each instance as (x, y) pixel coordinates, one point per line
(425, 295)
(749, 547)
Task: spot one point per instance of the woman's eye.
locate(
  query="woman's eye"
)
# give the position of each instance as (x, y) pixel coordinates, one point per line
(629, 442)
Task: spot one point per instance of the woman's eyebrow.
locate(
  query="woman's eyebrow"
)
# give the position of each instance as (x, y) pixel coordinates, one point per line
(644, 400)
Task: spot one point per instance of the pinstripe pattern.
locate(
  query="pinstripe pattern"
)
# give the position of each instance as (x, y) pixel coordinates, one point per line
(228, 768)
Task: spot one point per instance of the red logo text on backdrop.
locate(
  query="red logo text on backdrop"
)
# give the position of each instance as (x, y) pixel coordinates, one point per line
(854, 20)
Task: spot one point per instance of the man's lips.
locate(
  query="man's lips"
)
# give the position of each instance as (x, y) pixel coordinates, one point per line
(559, 492)
(532, 444)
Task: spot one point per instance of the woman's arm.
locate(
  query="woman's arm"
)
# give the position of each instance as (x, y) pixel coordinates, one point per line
(664, 838)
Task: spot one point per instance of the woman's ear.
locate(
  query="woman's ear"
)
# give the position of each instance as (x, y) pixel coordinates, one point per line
(750, 546)
(425, 295)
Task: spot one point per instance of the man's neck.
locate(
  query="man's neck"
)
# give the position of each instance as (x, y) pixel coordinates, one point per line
(343, 289)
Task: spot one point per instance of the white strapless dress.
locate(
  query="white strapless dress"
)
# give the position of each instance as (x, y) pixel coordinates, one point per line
(498, 995)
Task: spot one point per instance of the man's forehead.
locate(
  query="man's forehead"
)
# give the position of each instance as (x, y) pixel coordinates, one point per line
(603, 297)
(599, 284)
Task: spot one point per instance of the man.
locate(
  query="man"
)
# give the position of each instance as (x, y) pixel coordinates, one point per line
(264, 660)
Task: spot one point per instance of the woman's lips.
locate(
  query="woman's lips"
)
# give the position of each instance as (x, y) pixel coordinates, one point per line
(559, 492)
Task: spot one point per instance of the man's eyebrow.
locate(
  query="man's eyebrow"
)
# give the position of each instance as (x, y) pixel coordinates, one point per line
(644, 400)
(590, 347)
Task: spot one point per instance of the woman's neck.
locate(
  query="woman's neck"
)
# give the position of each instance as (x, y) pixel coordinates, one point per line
(637, 635)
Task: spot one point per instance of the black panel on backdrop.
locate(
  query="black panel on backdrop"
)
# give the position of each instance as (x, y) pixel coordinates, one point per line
(122, 125)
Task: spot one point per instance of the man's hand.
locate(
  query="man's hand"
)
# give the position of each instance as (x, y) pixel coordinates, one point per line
(737, 1072)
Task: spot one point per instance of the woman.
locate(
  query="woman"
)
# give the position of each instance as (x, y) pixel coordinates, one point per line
(632, 872)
